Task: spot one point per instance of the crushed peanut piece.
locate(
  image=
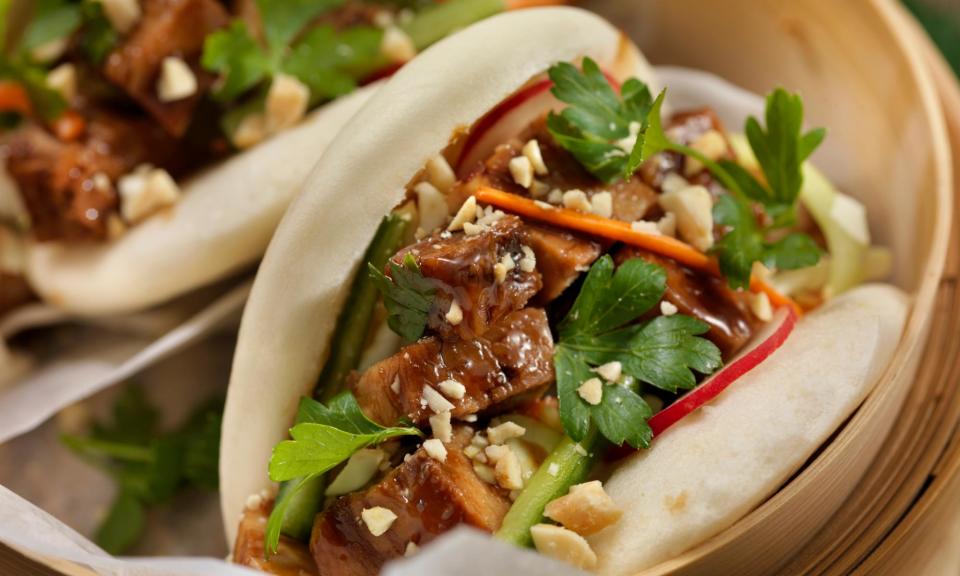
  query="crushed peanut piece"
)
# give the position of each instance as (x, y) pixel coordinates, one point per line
(455, 314)
(711, 144)
(378, 519)
(177, 81)
(503, 432)
(610, 371)
(440, 424)
(667, 308)
(440, 174)
(531, 151)
(577, 200)
(452, 389)
(591, 391)
(693, 208)
(435, 449)
(508, 471)
(397, 45)
(760, 306)
(601, 204)
(564, 545)
(466, 213)
(522, 171)
(586, 509)
(63, 79)
(529, 261)
(286, 104)
(436, 401)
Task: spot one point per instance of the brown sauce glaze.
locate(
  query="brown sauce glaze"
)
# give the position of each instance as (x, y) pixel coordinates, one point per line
(514, 359)
(429, 498)
(706, 298)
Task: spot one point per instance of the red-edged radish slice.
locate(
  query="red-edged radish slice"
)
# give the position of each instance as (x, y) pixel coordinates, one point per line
(767, 342)
(504, 122)
(508, 119)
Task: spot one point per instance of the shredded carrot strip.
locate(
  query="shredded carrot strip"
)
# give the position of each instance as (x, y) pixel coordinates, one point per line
(622, 232)
(13, 98)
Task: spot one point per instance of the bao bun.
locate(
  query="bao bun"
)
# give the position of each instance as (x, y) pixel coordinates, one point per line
(303, 280)
(221, 225)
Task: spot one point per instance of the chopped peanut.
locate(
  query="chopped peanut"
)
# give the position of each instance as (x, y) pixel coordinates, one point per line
(586, 509)
(564, 545)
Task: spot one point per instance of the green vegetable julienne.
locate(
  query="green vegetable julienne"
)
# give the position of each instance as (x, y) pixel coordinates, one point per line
(663, 352)
(326, 436)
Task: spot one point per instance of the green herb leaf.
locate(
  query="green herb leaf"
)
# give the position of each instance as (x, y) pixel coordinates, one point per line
(664, 352)
(597, 120)
(283, 21)
(326, 60)
(148, 465)
(407, 295)
(744, 244)
(238, 58)
(52, 20)
(97, 36)
(324, 437)
(123, 526)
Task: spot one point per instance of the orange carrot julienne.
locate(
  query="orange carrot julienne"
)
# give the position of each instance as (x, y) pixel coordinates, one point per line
(14, 98)
(622, 232)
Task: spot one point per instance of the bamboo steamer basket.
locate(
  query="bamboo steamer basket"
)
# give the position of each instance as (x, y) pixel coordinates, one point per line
(873, 498)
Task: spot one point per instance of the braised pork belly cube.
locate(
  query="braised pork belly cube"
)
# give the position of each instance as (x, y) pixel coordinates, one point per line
(631, 199)
(292, 558)
(473, 272)
(561, 257)
(706, 298)
(513, 361)
(167, 29)
(69, 189)
(427, 496)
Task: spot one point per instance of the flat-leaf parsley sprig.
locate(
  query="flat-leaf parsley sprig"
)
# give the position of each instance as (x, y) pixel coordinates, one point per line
(602, 328)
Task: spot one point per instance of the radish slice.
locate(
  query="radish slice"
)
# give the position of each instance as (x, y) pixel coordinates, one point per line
(774, 334)
(504, 122)
(509, 118)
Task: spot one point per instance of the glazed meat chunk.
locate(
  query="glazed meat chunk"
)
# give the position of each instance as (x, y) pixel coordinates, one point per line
(465, 270)
(514, 359)
(706, 298)
(429, 497)
(168, 28)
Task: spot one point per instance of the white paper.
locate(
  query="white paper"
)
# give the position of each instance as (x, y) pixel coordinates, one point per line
(107, 359)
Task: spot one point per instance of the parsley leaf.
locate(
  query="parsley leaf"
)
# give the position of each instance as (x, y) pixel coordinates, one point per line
(149, 466)
(124, 524)
(237, 57)
(324, 437)
(326, 60)
(282, 21)
(744, 244)
(597, 120)
(52, 20)
(407, 295)
(784, 150)
(663, 352)
(97, 35)
(327, 436)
